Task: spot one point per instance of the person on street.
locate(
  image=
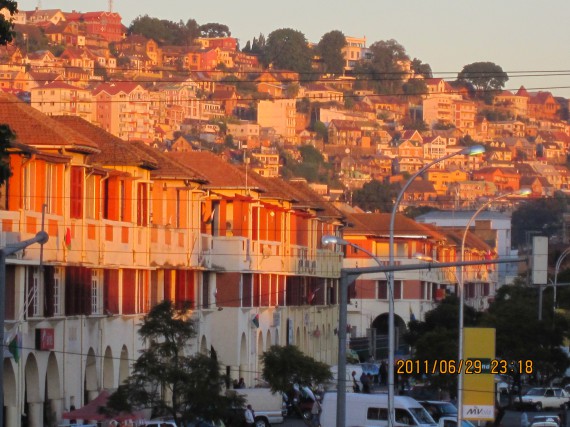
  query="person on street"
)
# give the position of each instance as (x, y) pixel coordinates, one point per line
(249, 416)
(316, 413)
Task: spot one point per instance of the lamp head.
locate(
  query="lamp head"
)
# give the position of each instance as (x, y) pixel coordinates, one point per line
(524, 191)
(423, 257)
(473, 150)
(334, 240)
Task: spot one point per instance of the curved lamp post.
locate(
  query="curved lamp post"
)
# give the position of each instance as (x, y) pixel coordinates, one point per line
(556, 271)
(460, 293)
(470, 151)
(342, 325)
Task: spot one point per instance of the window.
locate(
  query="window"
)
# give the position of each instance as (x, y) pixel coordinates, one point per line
(96, 292)
(205, 290)
(33, 292)
(28, 182)
(76, 192)
(377, 414)
(58, 291)
(90, 208)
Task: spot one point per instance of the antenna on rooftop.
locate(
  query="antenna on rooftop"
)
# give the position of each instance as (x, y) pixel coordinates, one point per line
(39, 7)
(110, 6)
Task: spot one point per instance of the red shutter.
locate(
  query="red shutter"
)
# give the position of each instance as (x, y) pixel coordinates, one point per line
(76, 192)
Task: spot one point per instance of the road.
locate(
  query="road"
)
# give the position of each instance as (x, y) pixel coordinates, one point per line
(511, 419)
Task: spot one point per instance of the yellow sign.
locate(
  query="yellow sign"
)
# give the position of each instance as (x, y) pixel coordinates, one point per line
(479, 388)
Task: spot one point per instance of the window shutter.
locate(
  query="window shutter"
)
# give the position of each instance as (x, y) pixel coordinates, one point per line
(76, 192)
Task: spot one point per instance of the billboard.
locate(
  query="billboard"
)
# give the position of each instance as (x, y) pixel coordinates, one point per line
(479, 384)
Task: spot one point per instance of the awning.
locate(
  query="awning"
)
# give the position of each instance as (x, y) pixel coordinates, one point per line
(91, 411)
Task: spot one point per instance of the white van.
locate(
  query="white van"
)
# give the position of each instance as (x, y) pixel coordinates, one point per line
(269, 407)
(366, 410)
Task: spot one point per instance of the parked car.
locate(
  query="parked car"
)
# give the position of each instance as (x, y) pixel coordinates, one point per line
(452, 422)
(439, 408)
(545, 421)
(538, 398)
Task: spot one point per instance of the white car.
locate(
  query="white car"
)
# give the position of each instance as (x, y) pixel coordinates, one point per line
(538, 398)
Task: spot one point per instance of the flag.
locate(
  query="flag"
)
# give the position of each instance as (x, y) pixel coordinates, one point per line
(255, 320)
(313, 295)
(68, 238)
(14, 347)
(412, 316)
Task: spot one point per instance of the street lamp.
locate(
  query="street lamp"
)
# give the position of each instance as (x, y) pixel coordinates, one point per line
(556, 270)
(342, 325)
(470, 151)
(460, 293)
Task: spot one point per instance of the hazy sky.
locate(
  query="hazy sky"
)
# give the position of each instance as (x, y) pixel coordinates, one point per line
(530, 37)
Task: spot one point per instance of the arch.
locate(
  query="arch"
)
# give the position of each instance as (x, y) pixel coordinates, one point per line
(267, 340)
(124, 365)
(9, 384)
(53, 385)
(380, 323)
(53, 402)
(258, 351)
(108, 369)
(243, 350)
(203, 345)
(298, 337)
(91, 383)
(32, 380)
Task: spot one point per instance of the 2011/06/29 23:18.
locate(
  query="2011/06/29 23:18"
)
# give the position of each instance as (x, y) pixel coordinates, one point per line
(465, 366)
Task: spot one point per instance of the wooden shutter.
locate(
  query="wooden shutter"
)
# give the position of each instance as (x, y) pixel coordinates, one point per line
(76, 192)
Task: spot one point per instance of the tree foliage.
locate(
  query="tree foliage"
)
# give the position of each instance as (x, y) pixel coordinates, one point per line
(166, 379)
(6, 137)
(421, 69)
(519, 333)
(284, 366)
(375, 196)
(436, 338)
(288, 49)
(539, 215)
(486, 77)
(330, 48)
(383, 73)
(214, 29)
(164, 31)
(6, 25)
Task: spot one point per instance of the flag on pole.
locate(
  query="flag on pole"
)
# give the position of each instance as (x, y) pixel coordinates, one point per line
(255, 320)
(313, 295)
(412, 316)
(14, 347)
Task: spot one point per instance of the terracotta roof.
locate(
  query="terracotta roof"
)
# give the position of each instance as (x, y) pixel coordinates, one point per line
(214, 169)
(58, 84)
(115, 88)
(378, 224)
(113, 150)
(38, 130)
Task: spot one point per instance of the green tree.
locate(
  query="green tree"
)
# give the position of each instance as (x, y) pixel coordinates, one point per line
(330, 48)
(164, 31)
(6, 25)
(284, 366)
(6, 134)
(213, 29)
(193, 384)
(519, 333)
(486, 77)
(375, 196)
(383, 72)
(6, 137)
(542, 215)
(436, 338)
(415, 87)
(288, 49)
(421, 68)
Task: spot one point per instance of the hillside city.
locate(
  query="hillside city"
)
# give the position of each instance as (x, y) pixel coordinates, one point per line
(207, 175)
